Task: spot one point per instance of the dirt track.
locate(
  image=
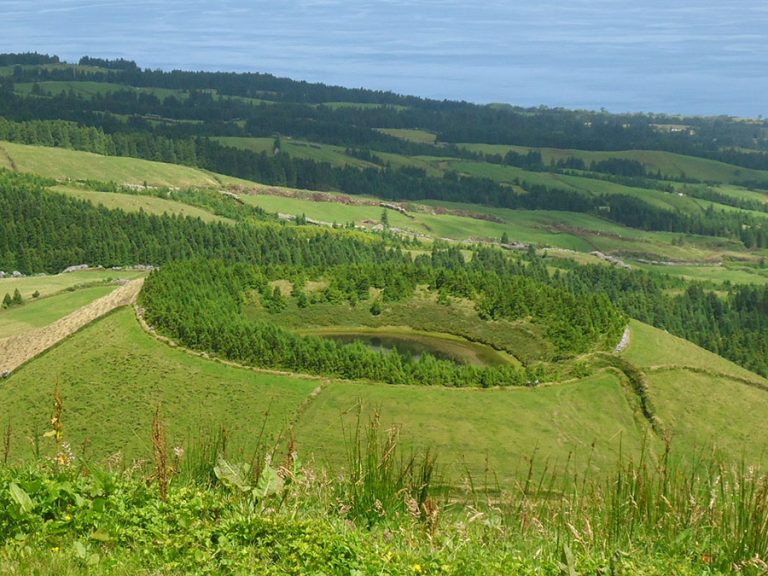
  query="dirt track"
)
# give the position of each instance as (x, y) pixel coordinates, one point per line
(16, 350)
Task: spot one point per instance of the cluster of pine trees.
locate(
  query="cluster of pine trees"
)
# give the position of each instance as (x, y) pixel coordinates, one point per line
(199, 303)
(733, 325)
(42, 231)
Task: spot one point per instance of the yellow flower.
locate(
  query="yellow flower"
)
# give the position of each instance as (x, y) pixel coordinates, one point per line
(67, 518)
(417, 568)
(55, 549)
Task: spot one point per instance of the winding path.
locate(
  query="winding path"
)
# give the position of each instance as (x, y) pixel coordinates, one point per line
(624, 342)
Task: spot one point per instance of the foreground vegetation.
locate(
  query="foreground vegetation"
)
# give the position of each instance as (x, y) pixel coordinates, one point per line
(208, 509)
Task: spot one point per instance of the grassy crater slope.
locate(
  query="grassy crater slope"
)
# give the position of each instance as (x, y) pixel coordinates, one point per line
(702, 400)
(110, 392)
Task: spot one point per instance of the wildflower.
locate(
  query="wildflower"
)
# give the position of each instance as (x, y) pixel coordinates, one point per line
(54, 549)
(67, 518)
(417, 568)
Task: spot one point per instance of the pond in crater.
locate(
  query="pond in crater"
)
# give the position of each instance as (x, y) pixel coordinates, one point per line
(415, 345)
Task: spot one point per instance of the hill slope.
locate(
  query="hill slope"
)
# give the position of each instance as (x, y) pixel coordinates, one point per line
(110, 393)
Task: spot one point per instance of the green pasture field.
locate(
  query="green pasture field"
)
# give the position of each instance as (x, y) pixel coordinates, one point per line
(432, 165)
(729, 415)
(111, 391)
(412, 135)
(573, 231)
(329, 211)
(8, 70)
(587, 186)
(136, 202)
(64, 164)
(89, 89)
(670, 164)
(39, 312)
(48, 284)
(714, 274)
(584, 233)
(362, 105)
(334, 155)
(741, 193)
(650, 347)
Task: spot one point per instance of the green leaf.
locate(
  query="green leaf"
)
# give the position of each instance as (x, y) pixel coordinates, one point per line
(232, 475)
(568, 566)
(269, 483)
(21, 498)
(101, 536)
(80, 550)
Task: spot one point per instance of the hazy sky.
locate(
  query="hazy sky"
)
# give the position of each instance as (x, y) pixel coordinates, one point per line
(683, 56)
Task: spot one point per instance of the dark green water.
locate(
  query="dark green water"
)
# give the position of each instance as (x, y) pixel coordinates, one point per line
(415, 346)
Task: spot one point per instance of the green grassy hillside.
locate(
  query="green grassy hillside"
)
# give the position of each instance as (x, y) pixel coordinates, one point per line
(668, 163)
(47, 284)
(64, 164)
(429, 218)
(703, 401)
(135, 202)
(319, 152)
(110, 392)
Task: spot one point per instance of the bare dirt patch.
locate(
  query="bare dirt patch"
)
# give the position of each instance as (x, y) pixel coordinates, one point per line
(16, 350)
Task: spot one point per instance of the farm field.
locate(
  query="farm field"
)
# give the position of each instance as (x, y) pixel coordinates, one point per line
(62, 164)
(572, 231)
(88, 89)
(670, 164)
(47, 284)
(319, 152)
(136, 202)
(40, 312)
(412, 135)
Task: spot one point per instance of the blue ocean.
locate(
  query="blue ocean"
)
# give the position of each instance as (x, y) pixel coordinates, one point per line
(688, 57)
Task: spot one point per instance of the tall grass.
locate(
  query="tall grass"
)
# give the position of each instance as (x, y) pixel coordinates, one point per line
(703, 514)
(381, 482)
(703, 509)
